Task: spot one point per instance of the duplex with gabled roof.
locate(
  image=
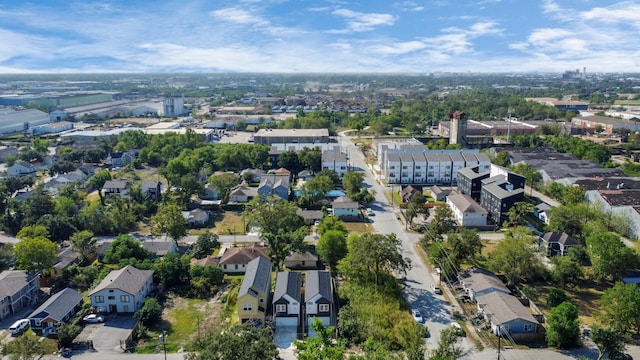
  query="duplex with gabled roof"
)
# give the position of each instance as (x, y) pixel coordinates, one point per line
(253, 296)
(287, 297)
(318, 298)
(122, 291)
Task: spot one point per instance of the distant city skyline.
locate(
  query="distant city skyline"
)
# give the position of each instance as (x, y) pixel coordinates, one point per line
(286, 36)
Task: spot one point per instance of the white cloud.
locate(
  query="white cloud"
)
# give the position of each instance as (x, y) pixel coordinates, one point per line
(623, 13)
(361, 22)
(237, 15)
(399, 48)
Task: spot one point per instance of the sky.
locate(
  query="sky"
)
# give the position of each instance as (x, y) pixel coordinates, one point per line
(318, 36)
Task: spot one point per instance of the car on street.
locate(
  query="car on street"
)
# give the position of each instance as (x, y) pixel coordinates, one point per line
(93, 319)
(436, 289)
(417, 316)
(18, 327)
(369, 212)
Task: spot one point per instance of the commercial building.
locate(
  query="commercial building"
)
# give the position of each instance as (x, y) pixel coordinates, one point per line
(608, 124)
(18, 121)
(173, 106)
(272, 136)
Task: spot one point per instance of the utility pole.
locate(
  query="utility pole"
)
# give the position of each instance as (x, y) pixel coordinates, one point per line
(509, 126)
(163, 338)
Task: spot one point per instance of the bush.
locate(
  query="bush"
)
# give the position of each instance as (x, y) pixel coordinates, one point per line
(556, 297)
(150, 313)
(67, 333)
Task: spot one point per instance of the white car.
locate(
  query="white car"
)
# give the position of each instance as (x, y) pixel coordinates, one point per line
(93, 319)
(369, 212)
(19, 326)
(417, 316)
(436, 289)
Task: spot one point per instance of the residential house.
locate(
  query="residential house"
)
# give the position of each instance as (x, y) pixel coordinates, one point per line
(18, 291)
(406, 168)
(319, 299)
(408, 191)
(57, 310)
(506, 314)
(119, 159)
(122, 291)
(334, 159)
(310, 216)
(466, 212)
(457, 162)
(242, 194)
(73, 177)
(253, 296)
(476, 282)
(160, 248)
(420, 169)
(210, 195)
(287, 297)
(196, 217)
(305, 175)
(433, 168)
(252, 175)
(541, 211)
(119, 188)
(21, 168)
(301, 260)
(151, 190)
(235, 260)
(438, 193)
(274, 185)
(497, 196)
(393, 166)
(66, 257)
(343, 207)
(558, 243)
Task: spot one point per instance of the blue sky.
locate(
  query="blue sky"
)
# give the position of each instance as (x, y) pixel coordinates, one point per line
(319, 36)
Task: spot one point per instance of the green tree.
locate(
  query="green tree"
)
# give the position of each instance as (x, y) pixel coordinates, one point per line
(172, 270)
(610, 258)
(25, 347)
(67, 332)
(280, 226)
(85, 244)
(169, 222)
(224, 183)
(125, 247)
(204, 245)
(205, 279)
(240, 342)
(566, 270)
(35, 255)
(321, 346)
(290, 161)
(6, 256)
(620, 307)
(150, 313)
(571, 219)
(609, 340)
(315, 189)
(464, 246)
(563, 326)
(533, 176)
(515, 258)
(33, 231)
(448, 348)
(442, 221)
(556, 297)
(331, 223)
(332, 247)
(518, 211)
(352, 182)
(502, 159)
(373, 259)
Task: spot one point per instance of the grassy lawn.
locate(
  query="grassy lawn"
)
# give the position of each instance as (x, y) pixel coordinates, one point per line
(228, 222)
(358, 227)
(627, 102)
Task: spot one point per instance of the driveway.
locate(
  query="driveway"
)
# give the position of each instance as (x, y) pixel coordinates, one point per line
(107, 336)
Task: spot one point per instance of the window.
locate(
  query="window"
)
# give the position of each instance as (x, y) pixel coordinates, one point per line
(281, 308)
(236, 266)
(111, 297)
(418, 167)
(392, 167)
(125, 298)
(323, 307)
(99, 299)
(247, 307)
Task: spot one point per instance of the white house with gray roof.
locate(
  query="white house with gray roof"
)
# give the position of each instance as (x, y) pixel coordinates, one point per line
(318, 298)
(122, 291)
(287, 298)
(466, 212)
(54, 312)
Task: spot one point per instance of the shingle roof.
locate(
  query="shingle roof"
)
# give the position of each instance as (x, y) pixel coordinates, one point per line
(466, 204)
(301, 256)
(257, 276)
(128, 279)
(318, 282)
(58, 305)
(116, 184)
(12, 281)
(65, 258)
(243, 255)
(288, 283)
(479, 280)
(559, 237)
(344, 202)
(504, 308)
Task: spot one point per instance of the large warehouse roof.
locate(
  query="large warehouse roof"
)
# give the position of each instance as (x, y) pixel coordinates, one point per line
(292, 132)
(10, 117)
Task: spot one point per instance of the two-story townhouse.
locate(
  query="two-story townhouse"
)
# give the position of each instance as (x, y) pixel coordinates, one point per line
(420, 168)
(394, 168)
(274, 185)
(457, 163)
(484, 162)
(151, 190)
(116, 188)
(498, 196)
(319, 299)
(122, 291)
(18, 291)
(287, 297)
(466, 212)
(470, 181)
(433, 168)
(445, 168)
(253, 296)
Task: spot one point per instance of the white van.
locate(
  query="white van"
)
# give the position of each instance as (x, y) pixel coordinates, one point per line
(18, 326)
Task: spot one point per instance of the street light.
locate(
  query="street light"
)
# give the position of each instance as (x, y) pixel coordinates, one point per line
(163, 338)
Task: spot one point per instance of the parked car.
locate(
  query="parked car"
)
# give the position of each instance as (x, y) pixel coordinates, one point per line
(18, 327)
(436, 289)
(620, 356)
(417, 316)
(93, 319)
(369, 212)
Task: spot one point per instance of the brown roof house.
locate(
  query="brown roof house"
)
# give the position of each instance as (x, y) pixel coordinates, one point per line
(235, 259)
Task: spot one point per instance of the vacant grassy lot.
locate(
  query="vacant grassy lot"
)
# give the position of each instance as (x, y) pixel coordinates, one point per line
(585, 296)
(627, 102)
(358, 227)
(228, 223)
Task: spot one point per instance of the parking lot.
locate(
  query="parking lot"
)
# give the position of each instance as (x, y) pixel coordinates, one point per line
(106, 337)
